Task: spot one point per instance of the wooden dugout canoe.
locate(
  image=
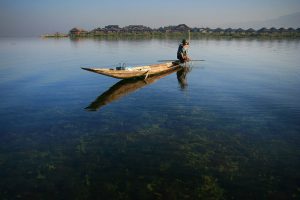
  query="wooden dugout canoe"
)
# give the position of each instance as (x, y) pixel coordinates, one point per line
(123, 88)
(136, 72)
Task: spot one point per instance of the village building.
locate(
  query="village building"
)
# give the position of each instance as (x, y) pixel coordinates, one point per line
(273, 30)
(136, 29)
(78, 32)
(112, 29)
(250, 31)
(176, 29)
(282, 30)
(97, 31)
(240, 31)
(218, 31)
(263, 31)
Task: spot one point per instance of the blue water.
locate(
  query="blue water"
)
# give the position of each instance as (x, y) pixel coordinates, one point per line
(230, 130)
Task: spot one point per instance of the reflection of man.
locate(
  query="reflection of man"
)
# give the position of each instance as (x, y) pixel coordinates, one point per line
(182, 51)
(181, 77)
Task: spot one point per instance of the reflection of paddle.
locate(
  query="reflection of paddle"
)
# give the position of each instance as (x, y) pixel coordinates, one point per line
(175, 60)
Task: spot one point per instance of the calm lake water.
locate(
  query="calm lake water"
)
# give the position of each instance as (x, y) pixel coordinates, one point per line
(225, 128)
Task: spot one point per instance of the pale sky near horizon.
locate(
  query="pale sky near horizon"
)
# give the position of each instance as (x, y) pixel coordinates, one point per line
(34, 17)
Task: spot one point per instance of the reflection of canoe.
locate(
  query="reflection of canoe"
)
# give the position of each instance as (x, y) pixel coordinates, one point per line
(134, 72)
(122, 88)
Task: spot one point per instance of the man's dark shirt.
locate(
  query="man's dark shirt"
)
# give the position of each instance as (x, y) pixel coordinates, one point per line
(181, 52)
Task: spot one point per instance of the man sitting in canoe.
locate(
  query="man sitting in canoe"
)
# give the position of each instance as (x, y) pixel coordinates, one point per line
(182, 53)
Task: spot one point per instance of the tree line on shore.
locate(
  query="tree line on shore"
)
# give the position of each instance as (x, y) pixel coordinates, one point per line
(179, 30)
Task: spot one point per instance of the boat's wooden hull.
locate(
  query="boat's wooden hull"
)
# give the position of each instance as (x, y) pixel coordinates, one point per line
(123, 88)
(136, 72)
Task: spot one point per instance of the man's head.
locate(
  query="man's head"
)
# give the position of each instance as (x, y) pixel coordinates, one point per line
(185, 42)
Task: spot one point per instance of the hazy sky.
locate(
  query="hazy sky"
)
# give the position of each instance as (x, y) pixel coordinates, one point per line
(34, 17)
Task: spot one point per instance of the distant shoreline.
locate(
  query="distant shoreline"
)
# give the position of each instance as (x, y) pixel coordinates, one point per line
(181, 30)
(176, 35)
